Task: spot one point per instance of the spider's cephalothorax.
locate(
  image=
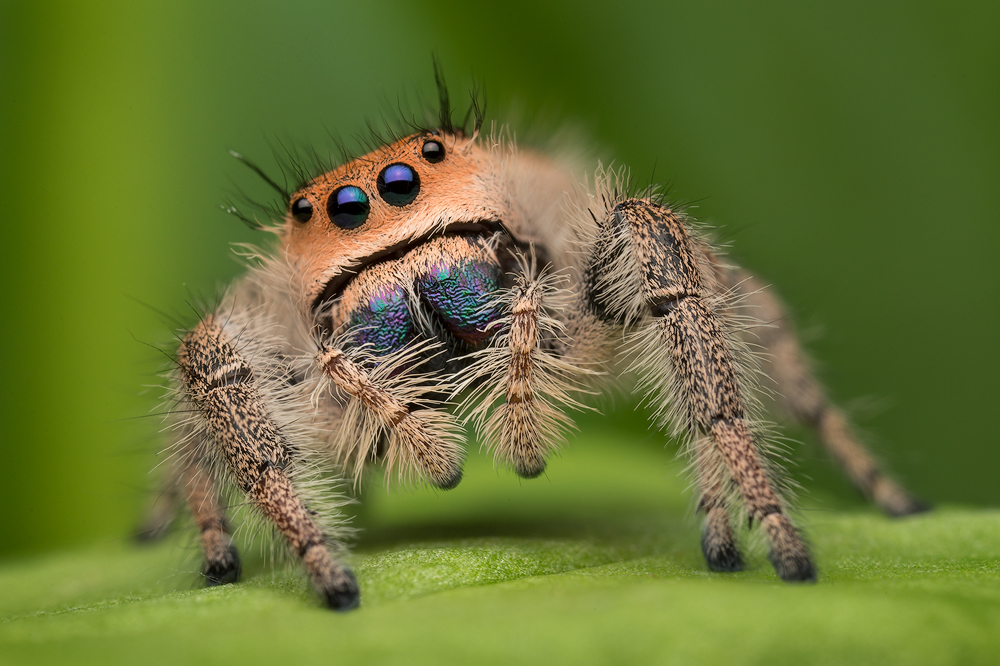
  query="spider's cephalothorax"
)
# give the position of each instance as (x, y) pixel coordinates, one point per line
(446, 278)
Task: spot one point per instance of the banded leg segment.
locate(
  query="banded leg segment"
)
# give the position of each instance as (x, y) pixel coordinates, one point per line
(520, 436)
(420, 436)
(803, 398)
(706, 381)
(222, 385)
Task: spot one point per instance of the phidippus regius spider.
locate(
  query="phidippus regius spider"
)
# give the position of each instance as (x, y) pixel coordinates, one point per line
(450, 277)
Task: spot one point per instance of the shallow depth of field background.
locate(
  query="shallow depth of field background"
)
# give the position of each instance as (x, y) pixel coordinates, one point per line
(851, 153)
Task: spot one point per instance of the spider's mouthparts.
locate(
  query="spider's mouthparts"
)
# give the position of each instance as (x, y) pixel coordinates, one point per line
(446, 288)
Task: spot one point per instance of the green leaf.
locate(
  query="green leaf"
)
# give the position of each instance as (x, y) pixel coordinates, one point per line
(597, 562)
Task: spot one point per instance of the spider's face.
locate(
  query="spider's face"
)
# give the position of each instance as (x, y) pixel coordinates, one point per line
(401, 230)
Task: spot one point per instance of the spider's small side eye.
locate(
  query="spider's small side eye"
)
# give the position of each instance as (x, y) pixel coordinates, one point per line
(302, 210)
(398, 184)
(348, 207)
(433, 151)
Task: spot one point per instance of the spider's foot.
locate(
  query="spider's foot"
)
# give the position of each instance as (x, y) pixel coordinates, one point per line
(224, 569)
(722, 555)
(449, 480)
(341, 593)
(795, 569)
(529, 465)
(896, 502)
(789, 554)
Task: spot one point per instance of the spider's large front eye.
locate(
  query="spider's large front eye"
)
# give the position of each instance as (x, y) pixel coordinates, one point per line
(302, 210)
(433, 151)
(398, 184)
(348, 207)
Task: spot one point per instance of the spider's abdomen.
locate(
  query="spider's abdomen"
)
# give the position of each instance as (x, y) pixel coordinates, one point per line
(446, 287)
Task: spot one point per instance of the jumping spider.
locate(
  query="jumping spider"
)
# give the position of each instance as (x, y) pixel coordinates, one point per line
(451, 277)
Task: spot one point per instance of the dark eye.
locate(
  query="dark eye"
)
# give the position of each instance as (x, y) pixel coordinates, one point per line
(302, 210)
(398, 184)
(348, 207)
(433, 151)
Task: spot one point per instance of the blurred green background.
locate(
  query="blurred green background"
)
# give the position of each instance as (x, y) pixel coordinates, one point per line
(850, 151)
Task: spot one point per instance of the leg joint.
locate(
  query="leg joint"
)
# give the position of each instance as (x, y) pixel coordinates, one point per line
(769, 509)
(661, 307)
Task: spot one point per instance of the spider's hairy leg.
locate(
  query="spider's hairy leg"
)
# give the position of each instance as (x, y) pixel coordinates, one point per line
(718, 544)
(221, 383)
(700, 376)
(418, 435)
(222, 561)
(803, 398)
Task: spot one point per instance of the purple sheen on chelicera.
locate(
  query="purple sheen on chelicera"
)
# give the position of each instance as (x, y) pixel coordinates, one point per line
(461, 295)
(385, 322)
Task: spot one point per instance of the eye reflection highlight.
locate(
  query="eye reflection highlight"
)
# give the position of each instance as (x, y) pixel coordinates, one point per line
(348, 207)
(398, 184)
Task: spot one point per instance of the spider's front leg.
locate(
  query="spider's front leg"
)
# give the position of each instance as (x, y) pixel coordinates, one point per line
(221, 383)
(696, 374)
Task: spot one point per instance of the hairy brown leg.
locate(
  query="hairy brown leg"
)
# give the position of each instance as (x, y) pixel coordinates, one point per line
(415, 434)
(718, 544)
(702, 362)
(803, 397)
(222, 385)
(222, 561)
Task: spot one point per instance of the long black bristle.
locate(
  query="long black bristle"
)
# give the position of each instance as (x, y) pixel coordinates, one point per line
(260, 172)
(444, 102)
(253, 224)
(301, 164)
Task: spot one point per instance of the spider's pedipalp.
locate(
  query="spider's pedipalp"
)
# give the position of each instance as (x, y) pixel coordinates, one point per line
(392, 402)
(524, 384)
